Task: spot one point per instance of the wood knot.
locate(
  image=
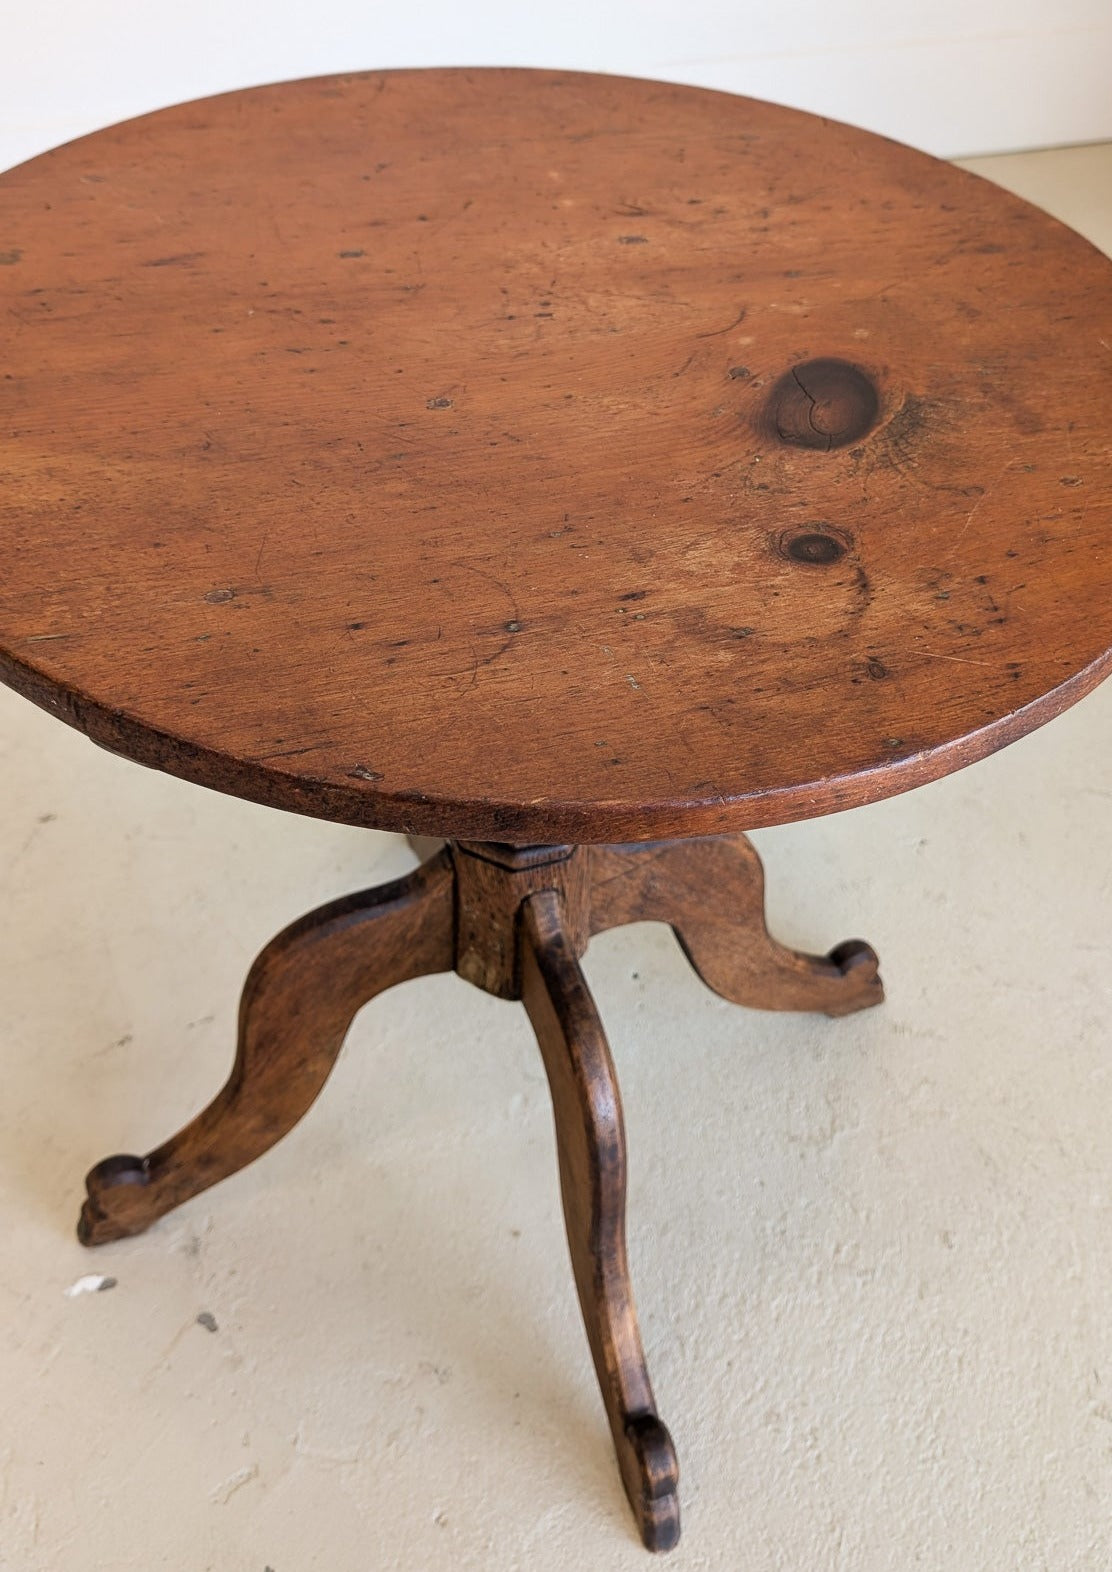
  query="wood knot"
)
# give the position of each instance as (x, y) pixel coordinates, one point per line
(821, 404)
(817, 547)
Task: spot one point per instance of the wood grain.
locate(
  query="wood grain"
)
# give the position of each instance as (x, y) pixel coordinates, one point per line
(298, 1002)
(590, 1141)
(711, 892)
(492, 882)
(539, 457)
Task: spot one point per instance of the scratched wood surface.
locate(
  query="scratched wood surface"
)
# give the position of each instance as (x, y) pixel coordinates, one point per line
(544, 457)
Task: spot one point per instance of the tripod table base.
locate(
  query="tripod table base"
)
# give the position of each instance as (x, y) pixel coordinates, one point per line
(513, 921)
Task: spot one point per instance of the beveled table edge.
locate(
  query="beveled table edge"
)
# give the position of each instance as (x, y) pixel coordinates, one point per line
(541, 821)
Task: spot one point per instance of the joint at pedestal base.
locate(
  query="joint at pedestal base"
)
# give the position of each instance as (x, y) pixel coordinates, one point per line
(492, 884)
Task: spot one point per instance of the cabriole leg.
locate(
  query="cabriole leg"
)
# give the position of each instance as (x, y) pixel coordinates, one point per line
(299, 1000)
(590, 1140)
(711, 892)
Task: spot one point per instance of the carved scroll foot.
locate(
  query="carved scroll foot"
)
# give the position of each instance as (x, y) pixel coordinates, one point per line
(590, 1140)
(712, 893)
(298, 1002)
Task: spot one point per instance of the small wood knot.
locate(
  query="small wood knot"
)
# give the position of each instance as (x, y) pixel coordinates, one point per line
(821, 404)
(817, 547)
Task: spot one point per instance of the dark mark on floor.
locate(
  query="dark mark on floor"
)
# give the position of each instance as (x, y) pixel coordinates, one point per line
(207, 1320)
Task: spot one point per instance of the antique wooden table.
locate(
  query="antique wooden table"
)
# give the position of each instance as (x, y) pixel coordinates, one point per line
(542, 461)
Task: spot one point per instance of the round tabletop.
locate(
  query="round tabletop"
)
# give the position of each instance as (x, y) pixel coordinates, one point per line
(541, 457)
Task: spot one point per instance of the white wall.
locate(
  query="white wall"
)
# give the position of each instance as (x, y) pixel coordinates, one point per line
(953, 76)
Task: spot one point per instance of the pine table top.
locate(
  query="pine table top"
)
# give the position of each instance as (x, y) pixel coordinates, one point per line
(545, 457)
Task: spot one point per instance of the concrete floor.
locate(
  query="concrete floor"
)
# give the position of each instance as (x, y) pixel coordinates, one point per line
(873, 1257)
